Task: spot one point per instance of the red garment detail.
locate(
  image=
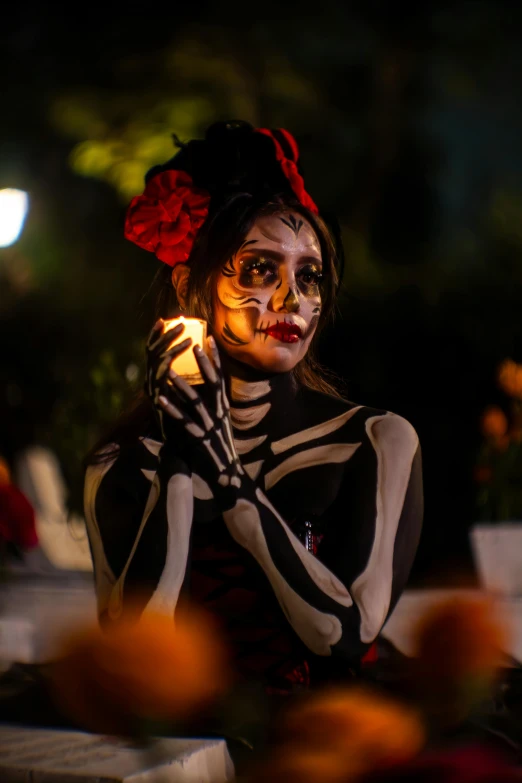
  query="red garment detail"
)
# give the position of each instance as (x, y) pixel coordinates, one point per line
(371, 655)
(17, 523)
(289, 167)
(226, 581)
(167, 216)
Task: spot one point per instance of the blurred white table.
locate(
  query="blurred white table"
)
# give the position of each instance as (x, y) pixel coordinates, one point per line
(35, 613)
(49, 754)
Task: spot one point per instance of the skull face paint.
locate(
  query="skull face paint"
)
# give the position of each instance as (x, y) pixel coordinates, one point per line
(267, 297)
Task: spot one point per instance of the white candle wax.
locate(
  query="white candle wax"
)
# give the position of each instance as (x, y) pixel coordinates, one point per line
(186, 364)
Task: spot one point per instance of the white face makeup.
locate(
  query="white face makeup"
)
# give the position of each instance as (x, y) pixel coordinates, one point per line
(267, 299)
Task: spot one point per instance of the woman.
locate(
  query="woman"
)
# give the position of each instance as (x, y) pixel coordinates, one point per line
(291, 514)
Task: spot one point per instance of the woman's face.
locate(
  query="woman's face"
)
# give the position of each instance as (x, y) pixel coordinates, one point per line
(267, 299)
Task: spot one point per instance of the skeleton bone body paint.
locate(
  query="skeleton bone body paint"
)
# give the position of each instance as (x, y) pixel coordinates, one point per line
(227, 528)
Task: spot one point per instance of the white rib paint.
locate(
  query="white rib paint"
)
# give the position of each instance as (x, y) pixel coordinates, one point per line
(154, 446)
(312, 433)
(319, 455)
(254, 468)
(243, 391)
(103, 575)
(200, 488)
(322, 576)
(179, 522)
(395, 443)
(244, 446)
(246, 418)
(319, 631)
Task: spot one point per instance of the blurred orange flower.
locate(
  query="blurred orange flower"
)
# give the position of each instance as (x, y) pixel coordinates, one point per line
(459, 652)
(461, 637)
(154, 670)
(349, 729)
(493, 422)
(5, 473)
(509, 377)
(302, 765)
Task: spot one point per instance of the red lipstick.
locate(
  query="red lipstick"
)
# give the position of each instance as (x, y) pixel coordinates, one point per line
(285, 333)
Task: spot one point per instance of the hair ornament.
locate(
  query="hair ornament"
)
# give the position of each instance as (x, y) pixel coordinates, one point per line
(234, 158)
(285, 142)
(167, 216)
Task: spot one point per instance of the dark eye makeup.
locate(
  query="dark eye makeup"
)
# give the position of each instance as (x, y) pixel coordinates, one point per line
(309, 276)
(260, 271)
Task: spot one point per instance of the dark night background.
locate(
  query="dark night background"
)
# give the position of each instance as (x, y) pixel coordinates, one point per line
(410, 127)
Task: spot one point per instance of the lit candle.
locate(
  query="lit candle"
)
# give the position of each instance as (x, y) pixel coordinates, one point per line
(186, 364)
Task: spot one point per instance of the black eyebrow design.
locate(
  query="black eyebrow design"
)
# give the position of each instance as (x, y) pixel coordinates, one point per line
(292, 223)
(247, 242)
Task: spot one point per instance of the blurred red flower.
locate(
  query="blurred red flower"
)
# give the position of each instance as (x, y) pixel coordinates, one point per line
(469, 764)
(17, 523)
(166, 217)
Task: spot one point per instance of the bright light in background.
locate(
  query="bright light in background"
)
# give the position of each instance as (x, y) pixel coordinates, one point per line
(14, 205)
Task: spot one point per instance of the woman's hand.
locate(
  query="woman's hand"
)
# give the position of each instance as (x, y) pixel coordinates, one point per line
(205, 420)
(160, 354)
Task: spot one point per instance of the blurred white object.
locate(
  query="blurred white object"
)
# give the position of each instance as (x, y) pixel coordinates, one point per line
(497, 552)
(14, 205)
(50, 754)
(63, 540)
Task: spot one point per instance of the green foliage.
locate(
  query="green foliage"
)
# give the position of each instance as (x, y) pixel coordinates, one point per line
(94, 401)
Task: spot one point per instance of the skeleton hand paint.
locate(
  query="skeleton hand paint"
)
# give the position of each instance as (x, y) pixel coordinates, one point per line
(205, 421)
(159, 359)
(267, 299)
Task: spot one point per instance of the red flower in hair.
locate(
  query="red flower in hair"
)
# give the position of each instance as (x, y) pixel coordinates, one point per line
(167, 216)
(289, 166)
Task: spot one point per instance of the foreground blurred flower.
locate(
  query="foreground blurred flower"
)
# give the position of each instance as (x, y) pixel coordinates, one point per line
(494, 423)
(509, 377)
(459, 654)
(342, 734)
(115, 682)
(17, 521)
(468, 764)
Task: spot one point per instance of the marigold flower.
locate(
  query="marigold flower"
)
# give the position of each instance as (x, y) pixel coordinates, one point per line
(459, 651)
(302, 765)
(365, 730)
(154, 670)
(494, 423)
(509, 377)
(460, 637)
(5, 473)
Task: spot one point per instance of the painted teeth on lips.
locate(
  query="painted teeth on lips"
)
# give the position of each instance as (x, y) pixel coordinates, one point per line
(284, 332)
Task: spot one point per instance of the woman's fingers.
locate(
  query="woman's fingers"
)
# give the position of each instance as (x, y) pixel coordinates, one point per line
(214, 352)
(204, 364)
(159, 339)
(169, 408)
(176, 349)
(168, 357)
(182, 386)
